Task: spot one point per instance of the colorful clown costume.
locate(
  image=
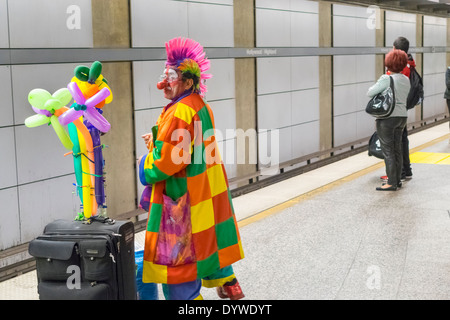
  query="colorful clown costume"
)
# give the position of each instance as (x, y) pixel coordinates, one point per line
(184, 166)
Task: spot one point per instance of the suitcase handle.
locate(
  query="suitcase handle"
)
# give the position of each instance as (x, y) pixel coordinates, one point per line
(99, 219)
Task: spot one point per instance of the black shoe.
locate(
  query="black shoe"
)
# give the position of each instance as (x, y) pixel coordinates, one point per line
(399, 185)
(391, 188)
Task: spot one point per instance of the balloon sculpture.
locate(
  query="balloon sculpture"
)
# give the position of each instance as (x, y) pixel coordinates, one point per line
(85, 124)
(48, 107)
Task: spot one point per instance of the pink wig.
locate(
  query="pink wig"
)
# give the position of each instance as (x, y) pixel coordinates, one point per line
(181, 49)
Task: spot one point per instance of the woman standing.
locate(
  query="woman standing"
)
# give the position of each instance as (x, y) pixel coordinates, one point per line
(447, 90)
(390, 129)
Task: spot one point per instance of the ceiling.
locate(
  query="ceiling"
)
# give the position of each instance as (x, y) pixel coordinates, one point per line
(430, 7)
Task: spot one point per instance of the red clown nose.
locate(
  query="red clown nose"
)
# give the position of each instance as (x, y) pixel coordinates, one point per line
(162, 84)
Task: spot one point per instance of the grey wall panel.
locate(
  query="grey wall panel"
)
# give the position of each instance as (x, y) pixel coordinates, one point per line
(4, 34)
(274, 110)
(9, 218)
(8, 172)
(274, 146)
(25, 78)
(305, 139)
(145, 77)
(50, 24)
(434, 66)
(400, 24)
(350, 27)
(6, 107)
(434, 31)
(304, 72)
(305, 106)
(226, 2)
(44, 202)
(344, 99)
(154, 22)
(365, 124)
(40, 154)
(224, 117)
(352, 77)
(269, 4)
(273, 28)
(283, 24)
(211, 25)
(345, 129)
(300, 22)
(273, 75)
(222, 84)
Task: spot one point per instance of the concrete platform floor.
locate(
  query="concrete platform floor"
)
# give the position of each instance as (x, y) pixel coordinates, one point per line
(327, 234)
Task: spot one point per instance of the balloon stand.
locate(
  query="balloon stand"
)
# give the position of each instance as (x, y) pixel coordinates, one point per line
(85, 126)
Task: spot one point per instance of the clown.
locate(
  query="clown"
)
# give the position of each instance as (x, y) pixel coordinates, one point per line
(192, 236)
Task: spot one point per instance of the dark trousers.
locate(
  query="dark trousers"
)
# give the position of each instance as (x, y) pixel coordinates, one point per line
(448, 106)
(405, 151)
(390, 132)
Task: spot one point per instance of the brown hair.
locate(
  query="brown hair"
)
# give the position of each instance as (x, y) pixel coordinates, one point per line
(396, 60)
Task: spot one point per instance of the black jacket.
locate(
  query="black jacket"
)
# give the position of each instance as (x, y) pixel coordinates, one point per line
(447, 82)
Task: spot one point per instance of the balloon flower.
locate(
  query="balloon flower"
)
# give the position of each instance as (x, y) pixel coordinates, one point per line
(86, 108)
(90, 80)
(48, 107)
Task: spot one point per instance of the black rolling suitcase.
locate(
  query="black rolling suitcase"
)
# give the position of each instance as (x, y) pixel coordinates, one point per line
(80, 261)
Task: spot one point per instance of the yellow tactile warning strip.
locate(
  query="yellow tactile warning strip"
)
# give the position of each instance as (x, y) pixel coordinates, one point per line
(277, 208)
(430, 158)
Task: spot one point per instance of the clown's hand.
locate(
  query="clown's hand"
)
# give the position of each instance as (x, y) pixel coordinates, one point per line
(148, 137)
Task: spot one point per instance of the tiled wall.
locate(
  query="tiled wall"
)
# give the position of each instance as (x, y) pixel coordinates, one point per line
(402, 24)
(434, 66)
(352, 75)
(155, 21)
(288, 87)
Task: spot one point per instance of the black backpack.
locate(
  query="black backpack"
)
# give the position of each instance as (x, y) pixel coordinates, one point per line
(415, 95)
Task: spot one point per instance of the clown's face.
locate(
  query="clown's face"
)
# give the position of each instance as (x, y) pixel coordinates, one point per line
(172, 83)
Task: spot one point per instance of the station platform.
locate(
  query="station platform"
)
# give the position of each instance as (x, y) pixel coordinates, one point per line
(328, 234)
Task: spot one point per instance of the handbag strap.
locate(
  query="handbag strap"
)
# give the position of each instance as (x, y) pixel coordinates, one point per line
(393, 91)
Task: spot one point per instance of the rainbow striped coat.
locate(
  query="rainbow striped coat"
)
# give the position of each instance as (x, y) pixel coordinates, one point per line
(184, 157)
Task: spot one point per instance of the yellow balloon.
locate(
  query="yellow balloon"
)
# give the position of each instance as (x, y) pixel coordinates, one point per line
(89, 156)
(86, 179)
(85, 86)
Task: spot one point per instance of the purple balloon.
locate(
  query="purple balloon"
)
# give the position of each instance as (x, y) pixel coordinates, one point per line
(69, 116)
(42, 111)
(91, 113)
(76, 92)
(98, 97)
(97, 120)
(98, 156)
